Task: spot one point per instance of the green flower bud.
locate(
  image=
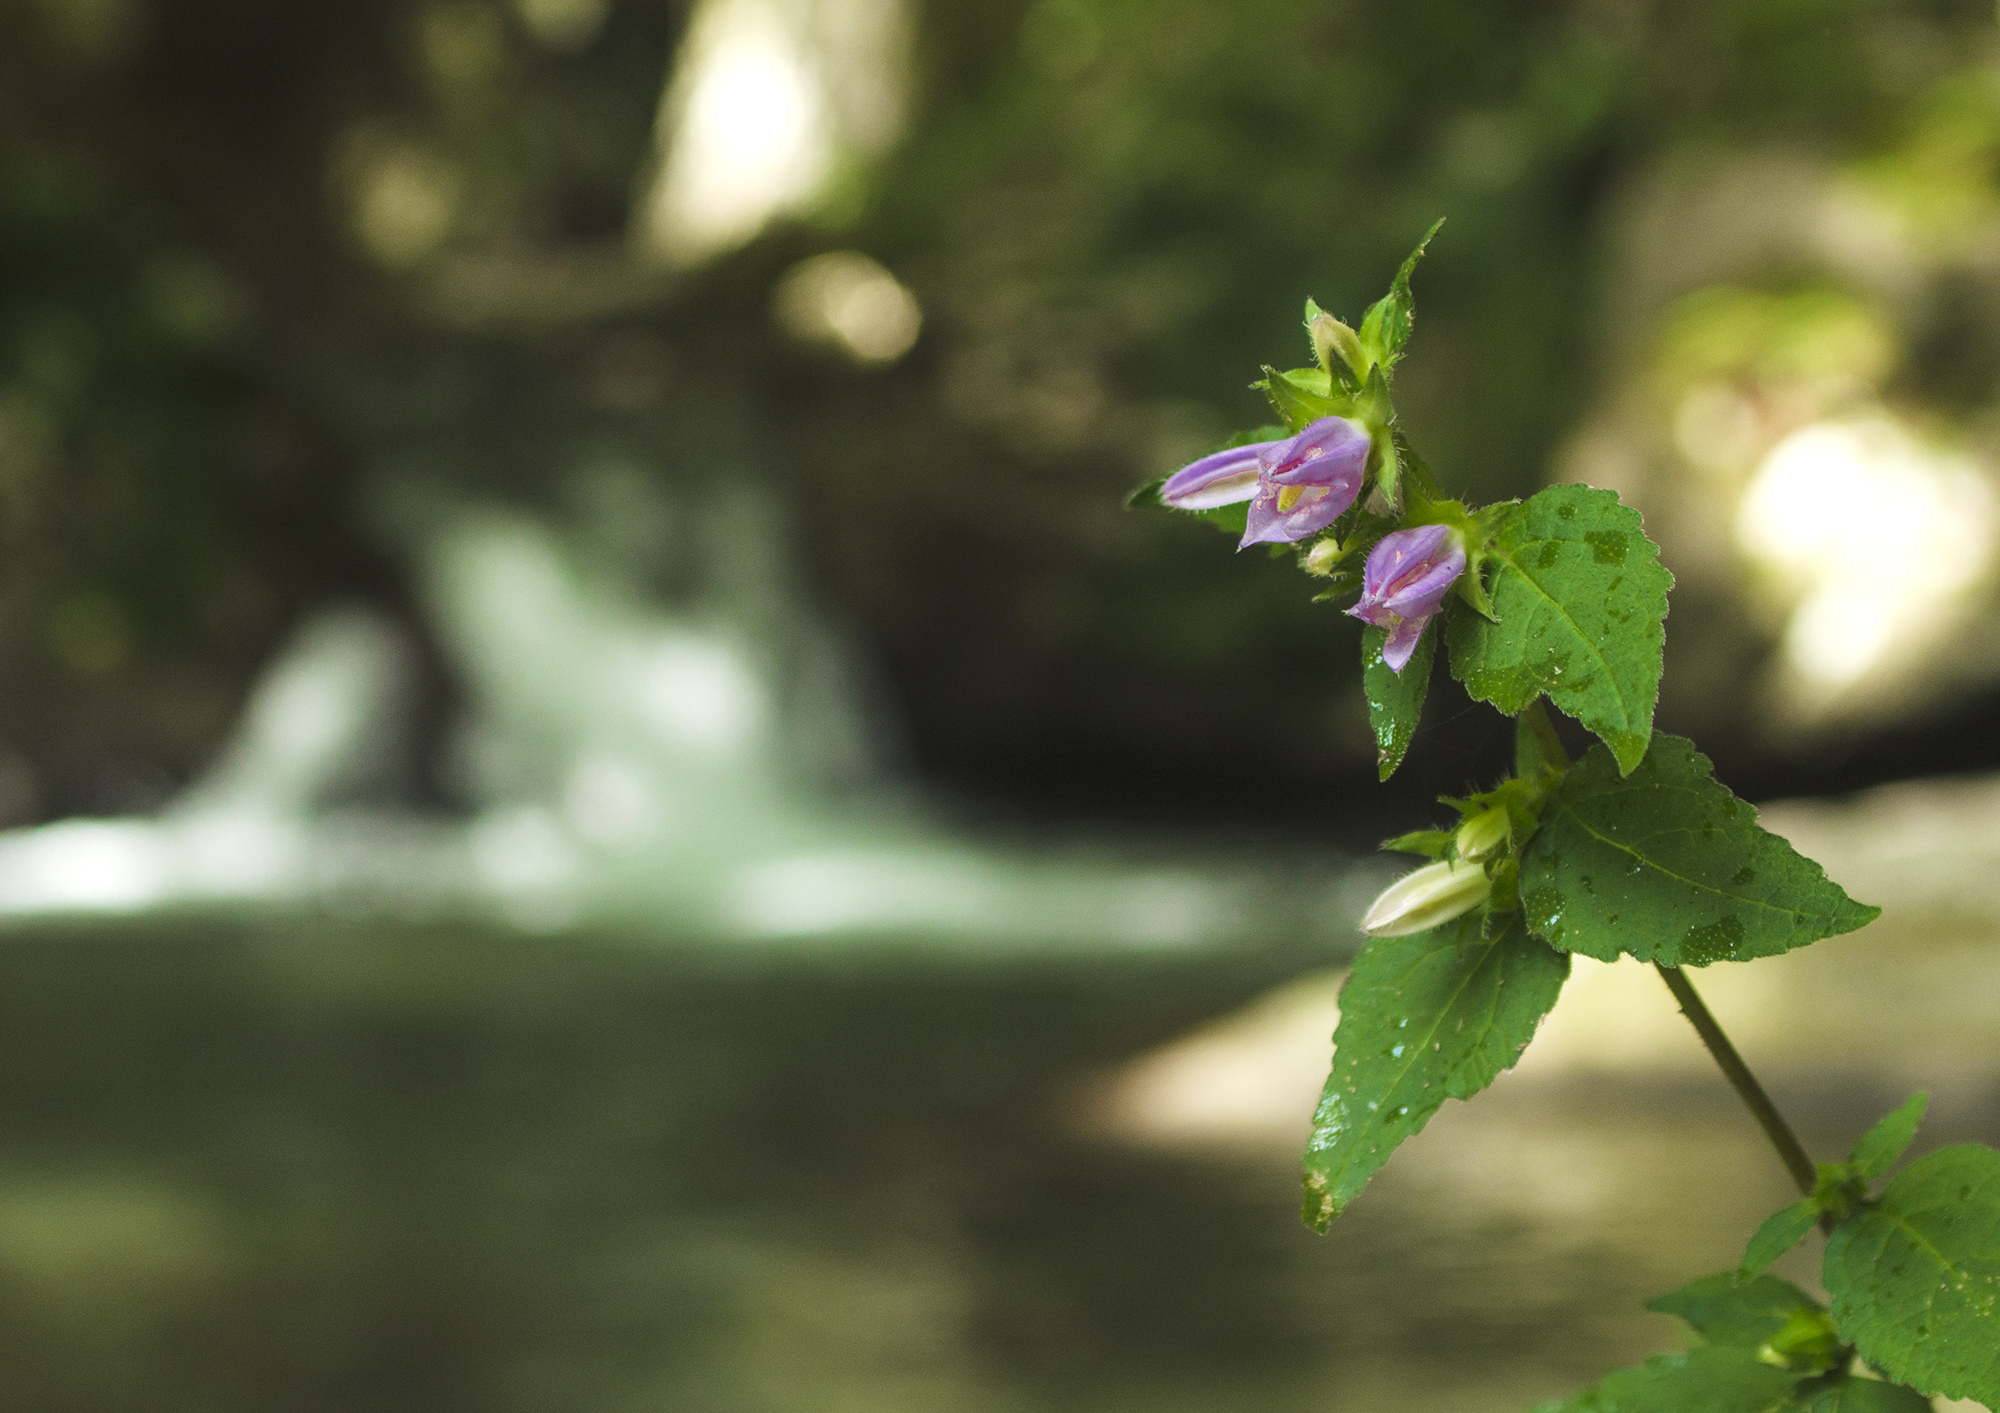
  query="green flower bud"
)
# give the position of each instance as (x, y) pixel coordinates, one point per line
(1331, 337)
(1483, 833)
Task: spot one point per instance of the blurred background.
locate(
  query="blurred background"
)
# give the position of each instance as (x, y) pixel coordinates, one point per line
(606, 810)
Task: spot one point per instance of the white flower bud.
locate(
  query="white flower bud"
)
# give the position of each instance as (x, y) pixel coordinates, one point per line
(1435, 893)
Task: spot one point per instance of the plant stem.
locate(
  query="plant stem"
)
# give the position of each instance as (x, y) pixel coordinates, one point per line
(1801, 1167)
(1537, 718)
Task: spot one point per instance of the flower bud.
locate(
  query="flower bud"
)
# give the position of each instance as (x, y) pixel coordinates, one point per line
(1483, 833)
(1332, 338)
(1323, 556)
(1435, 893)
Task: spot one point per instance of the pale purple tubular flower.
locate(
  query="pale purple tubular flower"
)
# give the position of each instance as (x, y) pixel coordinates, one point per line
(1219, 479)
(1307, 481)
(1404, 583)
(1296, 486)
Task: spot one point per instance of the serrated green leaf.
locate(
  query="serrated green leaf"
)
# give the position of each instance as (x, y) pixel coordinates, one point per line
(1859, 1395)
(1915, 1278)
(1780, 1232)
(1882, 1145)
(1385, 329)
(1727, 1310)
(1424, 1018)
(1300, 397)
(1395, 700)
(1668, 866)
(1581, 599)
(1709, 1378)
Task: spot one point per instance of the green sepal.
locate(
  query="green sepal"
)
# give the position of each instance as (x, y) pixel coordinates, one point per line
(1300, 397)
(1807, 1343)
(1431, 843)
(1725, 1309)
(1385, 329)
(1878, 1149)
(1424, 1018)
(1385, 467)
(1395, 699)
(1415, 470)
(1780, 1232)
(1915, 1275)
(1483, 525)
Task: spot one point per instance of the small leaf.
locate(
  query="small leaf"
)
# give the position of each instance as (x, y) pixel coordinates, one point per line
(1385, 329)
(1395, 700)
(1915, 1278)
(1780, 1233)
(1581, 599)
(1431, 843)
(1883, 1144)
(1300, 397)
(1727, 1310)
(1424, 1018)
(1669, 867)
(1707, 1379)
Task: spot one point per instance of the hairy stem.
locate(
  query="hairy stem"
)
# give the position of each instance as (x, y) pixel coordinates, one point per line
(1741, 1080)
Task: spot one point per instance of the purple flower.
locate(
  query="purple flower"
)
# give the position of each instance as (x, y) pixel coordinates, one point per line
(1296, 487)
(1404, 582)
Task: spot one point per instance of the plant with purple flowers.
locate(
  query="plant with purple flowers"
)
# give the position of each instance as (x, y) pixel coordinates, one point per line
(1632, 850)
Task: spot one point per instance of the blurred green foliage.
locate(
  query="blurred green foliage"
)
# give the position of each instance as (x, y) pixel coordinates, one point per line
(257, 261)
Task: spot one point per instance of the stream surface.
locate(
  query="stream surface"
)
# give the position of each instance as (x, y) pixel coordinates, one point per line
(309, 1163)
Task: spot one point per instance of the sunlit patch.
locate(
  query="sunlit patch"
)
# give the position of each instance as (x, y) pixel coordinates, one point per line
(1879, 542)
(403, 201)
(766, 98)
(848, 300)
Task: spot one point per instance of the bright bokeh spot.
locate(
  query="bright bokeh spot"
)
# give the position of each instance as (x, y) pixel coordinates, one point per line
(766, 97)
(848, 300)
(1879, 541)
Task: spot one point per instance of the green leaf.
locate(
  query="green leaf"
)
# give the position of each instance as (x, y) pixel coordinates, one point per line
(1395, 700)
(1669, 867)
(1431, 843)
(1581, 599)
(1300, 397)
(1707, 1379)
(1727, 1310)
(1385, 329)
(1915, 1278)
(1424, 1018)
(1883, 1144)
(1859, 1395)
(1780, 1232)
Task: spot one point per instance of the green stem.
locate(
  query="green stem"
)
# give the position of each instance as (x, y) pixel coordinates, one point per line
(1537, 718)
(1741, 1080)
